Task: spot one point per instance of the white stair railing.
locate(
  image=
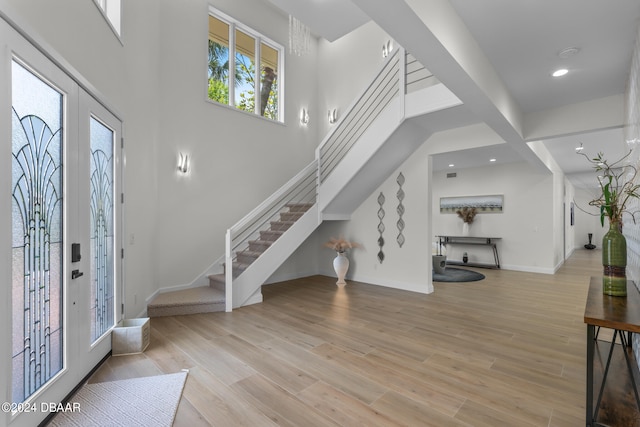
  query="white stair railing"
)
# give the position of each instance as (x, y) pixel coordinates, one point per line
(398, 74)
(385, 86)
(417, 76)
(300, 189)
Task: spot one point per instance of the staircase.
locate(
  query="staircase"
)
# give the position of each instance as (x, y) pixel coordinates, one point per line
(375, 135)
(211, 298)
(266, 238)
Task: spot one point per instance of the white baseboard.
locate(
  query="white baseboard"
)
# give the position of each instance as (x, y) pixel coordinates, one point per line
(289, 276)
(254, 299)
(422, 288)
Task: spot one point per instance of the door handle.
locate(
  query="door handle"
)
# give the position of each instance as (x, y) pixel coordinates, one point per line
(75, 252)
(76, 273)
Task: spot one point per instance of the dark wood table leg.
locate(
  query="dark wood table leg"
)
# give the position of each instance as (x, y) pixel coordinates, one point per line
(590, 350)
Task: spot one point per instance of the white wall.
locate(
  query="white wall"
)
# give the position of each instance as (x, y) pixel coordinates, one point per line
(239, 159)
(631, 230)
(525, 226)
(587, 219)
(407, 267)
(569, 229)
(345, 68)
(559, 204)
(632, 137)
(156, 81)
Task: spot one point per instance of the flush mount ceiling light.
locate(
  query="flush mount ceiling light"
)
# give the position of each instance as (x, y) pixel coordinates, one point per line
(560, 72)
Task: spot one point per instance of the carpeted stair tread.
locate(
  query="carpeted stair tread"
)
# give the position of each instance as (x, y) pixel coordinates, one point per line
(249, 253)
(259, 245)
(212, 298)
(216, 279)
(270, 235)
(299, 207)
(204, 299)
(238, 267)
(290, 216)
(281, 225)
(247, 257)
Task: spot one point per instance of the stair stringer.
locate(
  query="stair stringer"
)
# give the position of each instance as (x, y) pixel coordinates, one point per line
(250, 281)
(391, 139)
(367, 145)
(404, 141)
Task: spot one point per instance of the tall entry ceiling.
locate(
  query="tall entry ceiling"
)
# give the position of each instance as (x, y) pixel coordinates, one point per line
(523, 43)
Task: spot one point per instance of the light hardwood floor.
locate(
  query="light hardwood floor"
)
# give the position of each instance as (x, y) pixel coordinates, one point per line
(505, 351)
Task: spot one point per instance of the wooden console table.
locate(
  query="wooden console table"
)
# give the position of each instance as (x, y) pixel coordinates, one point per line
(468, 240)
(622, 314)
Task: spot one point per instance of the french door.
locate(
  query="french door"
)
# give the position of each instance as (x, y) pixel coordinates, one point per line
(61, 215)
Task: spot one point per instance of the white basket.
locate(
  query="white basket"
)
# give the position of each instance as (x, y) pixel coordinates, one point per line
(130, 336)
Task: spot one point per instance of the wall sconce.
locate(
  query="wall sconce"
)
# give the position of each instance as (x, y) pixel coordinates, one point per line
(183, 163)
(333, 116)
(387, 48)
(304, 116)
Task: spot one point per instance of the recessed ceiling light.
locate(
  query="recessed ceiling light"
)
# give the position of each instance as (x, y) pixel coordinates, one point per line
(451, 165)
(492, 160)
(559, 73)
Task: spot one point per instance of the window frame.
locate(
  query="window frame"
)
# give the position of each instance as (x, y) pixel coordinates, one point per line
(259, 40)
(110, 10)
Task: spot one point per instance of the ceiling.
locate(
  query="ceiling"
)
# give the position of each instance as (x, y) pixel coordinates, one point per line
(522, 40)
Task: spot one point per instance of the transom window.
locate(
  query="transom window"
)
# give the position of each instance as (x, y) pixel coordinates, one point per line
(251, 61)
(111, 11)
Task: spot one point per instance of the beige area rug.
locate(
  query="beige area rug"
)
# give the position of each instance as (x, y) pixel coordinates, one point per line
(147, 401)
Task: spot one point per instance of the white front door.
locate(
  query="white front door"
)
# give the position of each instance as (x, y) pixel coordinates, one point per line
(59, 228)
(99, 221)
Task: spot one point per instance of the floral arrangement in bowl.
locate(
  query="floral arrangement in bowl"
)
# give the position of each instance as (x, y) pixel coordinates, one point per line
(467, 214)
(341, 244)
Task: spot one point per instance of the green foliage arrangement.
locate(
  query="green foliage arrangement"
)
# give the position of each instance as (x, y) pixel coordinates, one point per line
(218, 84)
(618, 184)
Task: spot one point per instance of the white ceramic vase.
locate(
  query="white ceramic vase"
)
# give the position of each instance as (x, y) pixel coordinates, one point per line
(341, 266)
(465, 228)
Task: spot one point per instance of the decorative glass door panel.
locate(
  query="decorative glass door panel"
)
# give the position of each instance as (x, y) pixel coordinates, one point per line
(37, 220)
(61, 169)
(102, 228)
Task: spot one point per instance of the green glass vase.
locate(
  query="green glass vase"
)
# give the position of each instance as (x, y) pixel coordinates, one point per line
(614, 261)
